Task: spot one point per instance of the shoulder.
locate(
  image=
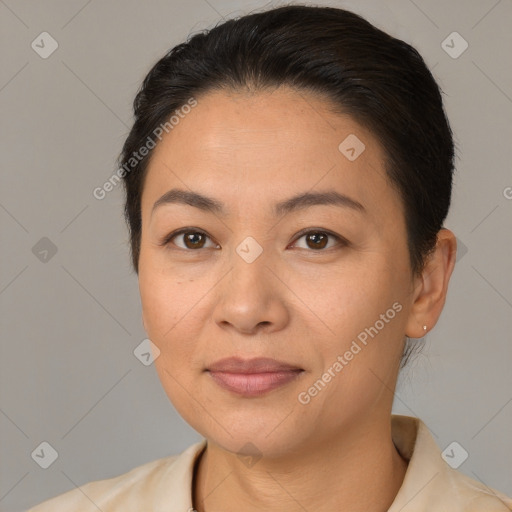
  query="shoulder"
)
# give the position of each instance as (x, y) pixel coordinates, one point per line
(157, 481)
(472, 494)
(123, 490)
(454, 491)
(431, 483)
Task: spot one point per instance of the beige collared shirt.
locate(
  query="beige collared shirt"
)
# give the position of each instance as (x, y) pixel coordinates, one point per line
(165, 485)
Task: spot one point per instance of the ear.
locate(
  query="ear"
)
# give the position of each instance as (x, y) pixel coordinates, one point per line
(431, 286)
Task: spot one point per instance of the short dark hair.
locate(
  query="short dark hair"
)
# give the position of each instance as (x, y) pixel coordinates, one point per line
(380, 81)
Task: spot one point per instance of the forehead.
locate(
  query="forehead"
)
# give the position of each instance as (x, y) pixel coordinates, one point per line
(266, 145)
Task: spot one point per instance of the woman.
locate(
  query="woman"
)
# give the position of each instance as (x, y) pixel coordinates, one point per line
(287, 178)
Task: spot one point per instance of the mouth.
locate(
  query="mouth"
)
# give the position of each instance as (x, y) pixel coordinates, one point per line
(252, 377)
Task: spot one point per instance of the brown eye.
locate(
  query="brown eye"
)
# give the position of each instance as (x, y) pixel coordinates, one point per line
(188, 239)
(194, 240)
(318, 240)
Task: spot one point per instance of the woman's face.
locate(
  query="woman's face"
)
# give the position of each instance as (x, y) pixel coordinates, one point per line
(325, 287)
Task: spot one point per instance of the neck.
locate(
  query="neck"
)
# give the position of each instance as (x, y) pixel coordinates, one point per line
(358, 470)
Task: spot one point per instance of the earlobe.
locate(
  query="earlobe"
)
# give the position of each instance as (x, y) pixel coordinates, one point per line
(432, 286)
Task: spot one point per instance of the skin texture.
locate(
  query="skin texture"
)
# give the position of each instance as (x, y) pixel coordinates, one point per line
(295, 302)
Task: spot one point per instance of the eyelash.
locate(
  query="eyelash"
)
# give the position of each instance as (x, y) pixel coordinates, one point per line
(342, 242)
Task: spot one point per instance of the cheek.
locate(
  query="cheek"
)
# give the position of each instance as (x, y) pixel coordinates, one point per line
(350, 298)
(175, 311)
(168, 326)
(169, 322)
(164, 296)
(360, 358)
(364, 316)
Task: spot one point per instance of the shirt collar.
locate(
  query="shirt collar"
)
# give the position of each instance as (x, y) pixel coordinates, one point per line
(415, 444)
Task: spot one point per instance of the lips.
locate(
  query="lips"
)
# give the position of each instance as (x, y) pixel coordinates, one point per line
(252, 377)
(257, 365)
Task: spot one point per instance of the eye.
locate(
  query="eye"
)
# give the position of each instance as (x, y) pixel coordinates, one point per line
(318, 239)
(190, 237)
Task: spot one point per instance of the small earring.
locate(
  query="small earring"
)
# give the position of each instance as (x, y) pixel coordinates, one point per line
(424, 327)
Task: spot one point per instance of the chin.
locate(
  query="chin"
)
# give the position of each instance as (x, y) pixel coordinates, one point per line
(247, 443)
(248, 434)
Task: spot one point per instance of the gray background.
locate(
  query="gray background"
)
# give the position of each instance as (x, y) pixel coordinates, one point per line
(71, 320)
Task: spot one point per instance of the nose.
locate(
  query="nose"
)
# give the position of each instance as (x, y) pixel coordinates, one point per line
(252, 298)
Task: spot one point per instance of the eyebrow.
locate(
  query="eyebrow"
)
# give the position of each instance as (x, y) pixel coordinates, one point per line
(295, 203)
